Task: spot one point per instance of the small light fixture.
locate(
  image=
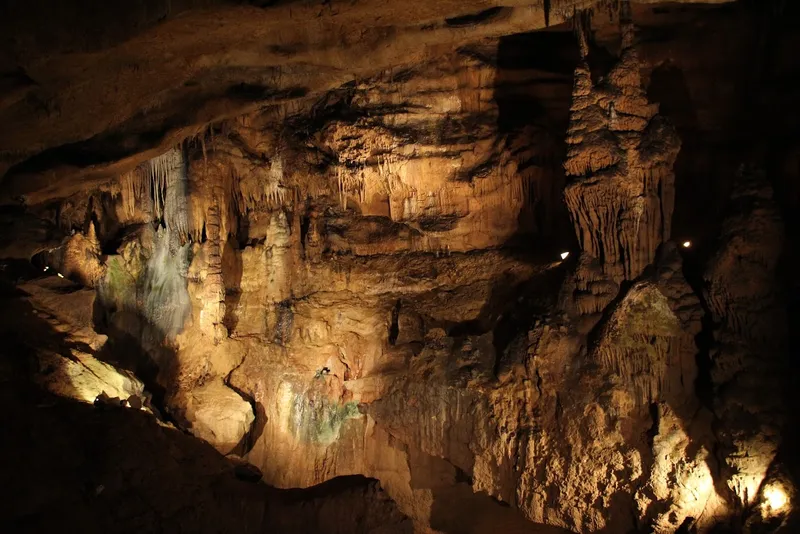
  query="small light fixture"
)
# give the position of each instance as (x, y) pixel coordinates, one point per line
(60, 275)
(775, 498)
(687, 244)
(46, 267)
(564, 255)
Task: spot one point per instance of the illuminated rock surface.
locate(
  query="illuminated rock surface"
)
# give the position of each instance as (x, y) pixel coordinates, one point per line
(410, 268)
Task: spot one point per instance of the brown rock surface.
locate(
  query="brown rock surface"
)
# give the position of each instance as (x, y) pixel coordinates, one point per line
(747, 358)
(218, 415)
(333, 240)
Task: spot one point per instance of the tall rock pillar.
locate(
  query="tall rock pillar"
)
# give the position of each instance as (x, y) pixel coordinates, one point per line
(620, 190)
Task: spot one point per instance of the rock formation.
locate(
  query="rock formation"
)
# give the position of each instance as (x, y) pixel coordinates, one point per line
(431, 246)
(621, 187)
(747, 357)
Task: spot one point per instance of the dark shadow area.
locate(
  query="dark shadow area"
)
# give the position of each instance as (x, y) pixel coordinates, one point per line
(252, 92)
(694, 265)
(250, 438)
(458, 510)
(704, 166)
(481, 17)
(510, 310)
(533, 93)
(124, 349)
(394, 327)
(23, 234)
(232, 279)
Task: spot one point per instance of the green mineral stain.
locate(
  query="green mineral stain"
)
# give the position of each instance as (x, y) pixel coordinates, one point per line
(119, 285)
(315, 418)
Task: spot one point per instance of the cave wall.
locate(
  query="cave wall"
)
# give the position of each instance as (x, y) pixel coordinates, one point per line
(368, 281)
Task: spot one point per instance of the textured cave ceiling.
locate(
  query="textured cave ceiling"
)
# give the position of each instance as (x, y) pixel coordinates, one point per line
(88, 84)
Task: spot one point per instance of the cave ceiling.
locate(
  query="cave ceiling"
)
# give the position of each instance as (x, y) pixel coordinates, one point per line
(90, 89)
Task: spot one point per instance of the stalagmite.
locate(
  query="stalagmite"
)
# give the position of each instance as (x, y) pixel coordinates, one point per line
(619, 165)
(81, 258)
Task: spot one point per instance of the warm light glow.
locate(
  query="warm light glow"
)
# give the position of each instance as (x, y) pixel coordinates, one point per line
(564, 255)
(775, 497)
(46, 268)
(60, 275)
(687, 244)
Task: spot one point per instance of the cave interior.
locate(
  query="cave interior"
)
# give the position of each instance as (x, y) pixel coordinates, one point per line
(366, 266)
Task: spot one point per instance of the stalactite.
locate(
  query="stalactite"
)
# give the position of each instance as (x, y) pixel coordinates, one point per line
(259, 186)
(159, 187)
(169, 186)
(129, 192)
(350, 183)
(582, 22)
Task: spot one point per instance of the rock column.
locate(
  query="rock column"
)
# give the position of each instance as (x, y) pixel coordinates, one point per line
(214, 303)
(619, 166)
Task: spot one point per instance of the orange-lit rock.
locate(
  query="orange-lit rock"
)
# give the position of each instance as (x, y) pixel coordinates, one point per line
(425, 245)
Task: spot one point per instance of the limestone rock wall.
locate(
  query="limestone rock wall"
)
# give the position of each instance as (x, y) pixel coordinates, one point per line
(742, 291)
(369, 281)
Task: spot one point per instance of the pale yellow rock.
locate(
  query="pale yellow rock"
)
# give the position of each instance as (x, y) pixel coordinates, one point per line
(85, 378)
(218, 415)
